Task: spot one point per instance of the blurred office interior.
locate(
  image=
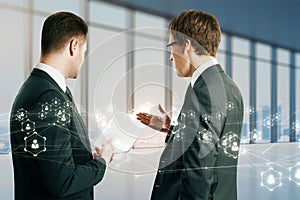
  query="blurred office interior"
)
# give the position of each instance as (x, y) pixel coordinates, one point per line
(127, 69)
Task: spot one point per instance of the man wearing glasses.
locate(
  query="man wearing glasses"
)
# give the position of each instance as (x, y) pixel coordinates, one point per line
(200, 157)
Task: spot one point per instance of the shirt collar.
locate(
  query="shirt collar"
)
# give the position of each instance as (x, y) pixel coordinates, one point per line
(202, 68)
(54, 74)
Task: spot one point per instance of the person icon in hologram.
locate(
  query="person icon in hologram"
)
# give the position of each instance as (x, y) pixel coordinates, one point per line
(234, 146)
(271, 179)
(27, 127)
(63, 118)
(34, 144)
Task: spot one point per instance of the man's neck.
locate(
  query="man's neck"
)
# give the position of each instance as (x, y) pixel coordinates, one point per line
(55, 62)
(197, 61)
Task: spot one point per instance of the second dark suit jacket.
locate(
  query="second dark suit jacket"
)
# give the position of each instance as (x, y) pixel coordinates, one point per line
(50, 147)
(200, 158)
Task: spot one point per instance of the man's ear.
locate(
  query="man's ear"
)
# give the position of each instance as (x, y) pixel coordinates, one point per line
(73, 47)
(187, 45)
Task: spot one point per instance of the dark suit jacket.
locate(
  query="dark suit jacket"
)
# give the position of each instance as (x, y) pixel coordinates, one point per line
(200, 157)
(50, 147)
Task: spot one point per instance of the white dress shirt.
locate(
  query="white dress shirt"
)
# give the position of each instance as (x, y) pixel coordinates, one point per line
(54, 74)
(202, 68)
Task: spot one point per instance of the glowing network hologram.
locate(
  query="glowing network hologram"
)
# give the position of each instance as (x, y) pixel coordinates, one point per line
(295, 173)
(267, 122)
(271, 179)
(276, 117)
(55, 102)
(230, 144)
(67, 104)
(206, 117)
(250, 110)
(191, 114)
(28, 126)
(42, 115)
(46, 107)
(219, 115)
(205, 136)
(35, 144)
(21, 114)
(229, 105)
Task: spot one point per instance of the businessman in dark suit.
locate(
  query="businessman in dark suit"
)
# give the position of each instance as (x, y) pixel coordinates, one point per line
(200, 157)
(51, 152)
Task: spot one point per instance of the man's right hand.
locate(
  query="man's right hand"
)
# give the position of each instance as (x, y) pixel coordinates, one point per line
(106, 152)
(160, 123)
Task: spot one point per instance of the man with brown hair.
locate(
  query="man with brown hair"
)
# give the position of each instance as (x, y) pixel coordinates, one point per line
(200, 157)
(51, 151)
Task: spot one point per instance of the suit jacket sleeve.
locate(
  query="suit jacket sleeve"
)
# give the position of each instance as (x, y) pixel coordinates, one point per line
(59, 171)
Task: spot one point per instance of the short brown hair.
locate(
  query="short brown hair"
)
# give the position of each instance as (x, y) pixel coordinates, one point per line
(202, 28)
(59, 28)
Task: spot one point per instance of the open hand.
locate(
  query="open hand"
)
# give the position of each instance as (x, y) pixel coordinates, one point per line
(160, 123)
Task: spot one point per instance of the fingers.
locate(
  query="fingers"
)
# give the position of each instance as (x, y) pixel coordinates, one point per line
(97, 149)
(161, 109)
(144, 118)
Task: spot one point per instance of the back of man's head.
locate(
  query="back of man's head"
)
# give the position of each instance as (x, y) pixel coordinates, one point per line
(58, 30)
(201, 28)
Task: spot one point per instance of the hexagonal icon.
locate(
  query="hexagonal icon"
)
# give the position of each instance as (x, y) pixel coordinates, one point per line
(229, 105)
(206, 118)
(276, 117)
(271, 179)
(191, 114)
(21, 114)
(64, 118)
(295, 173)
(60, 111)
(28, 126)
(267, 122)
(230, 144)
(250, 110)
(205, 136)
(46, 107)
(35, 144)
(67, 104)
(42, 115)
(55, 102)
(219, 115)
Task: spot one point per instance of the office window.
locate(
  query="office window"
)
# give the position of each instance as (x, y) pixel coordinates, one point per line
(240, 46)
(149, 72)
(107, 14)
(57, 5)
(297, 123)
(282, 117)
(263, 91)
(13, 2)
(36, 38)
(107, 77)
(150, 25)
(241, 76)
(221, 55)
(12, 63)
